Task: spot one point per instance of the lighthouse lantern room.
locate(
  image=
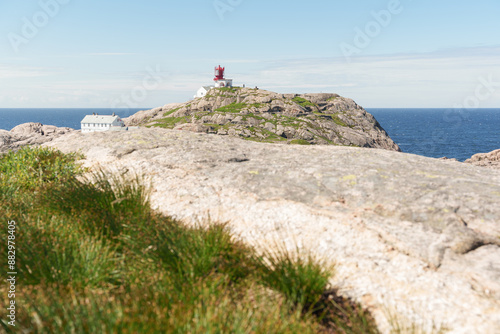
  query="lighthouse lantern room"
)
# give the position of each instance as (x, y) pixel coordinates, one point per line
(219, 79)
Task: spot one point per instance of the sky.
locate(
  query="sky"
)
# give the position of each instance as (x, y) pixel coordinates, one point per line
(134, 54)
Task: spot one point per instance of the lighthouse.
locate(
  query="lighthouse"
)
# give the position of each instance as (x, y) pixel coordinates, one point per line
(219, 79)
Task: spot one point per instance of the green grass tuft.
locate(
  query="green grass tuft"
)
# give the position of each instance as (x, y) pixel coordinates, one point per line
(170, 112)
(170, 122)
(302, 280)
(299, 142)
(303, 102)
(53, 252)
(229, 89)
(232, 108)
(29, 169)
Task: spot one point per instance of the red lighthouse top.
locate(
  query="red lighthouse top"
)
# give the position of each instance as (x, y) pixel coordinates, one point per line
(219, 73)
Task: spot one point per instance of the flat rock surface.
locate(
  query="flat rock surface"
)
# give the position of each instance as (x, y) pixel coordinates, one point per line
(412, 236)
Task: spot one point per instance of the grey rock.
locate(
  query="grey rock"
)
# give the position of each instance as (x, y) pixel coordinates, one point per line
(448, 159)
(411, 235)
(29, 134)
(192, 127)
(490, 160)
(269, 126)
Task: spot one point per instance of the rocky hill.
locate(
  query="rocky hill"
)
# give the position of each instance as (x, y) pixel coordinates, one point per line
(416, 240)
(265, 116)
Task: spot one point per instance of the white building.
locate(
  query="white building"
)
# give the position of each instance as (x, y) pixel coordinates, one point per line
(92, 123)
(224, 83)
(203, 91)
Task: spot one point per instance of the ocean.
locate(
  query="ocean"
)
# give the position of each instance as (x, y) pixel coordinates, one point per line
(433, 133)
(70, 118)
(437, 133)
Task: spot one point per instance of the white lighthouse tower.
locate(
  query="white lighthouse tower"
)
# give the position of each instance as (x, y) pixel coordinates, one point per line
(219, 79)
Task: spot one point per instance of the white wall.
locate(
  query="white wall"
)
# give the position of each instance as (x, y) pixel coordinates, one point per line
(201, 92)
(90, 127)
(99, 127)
(224, 83)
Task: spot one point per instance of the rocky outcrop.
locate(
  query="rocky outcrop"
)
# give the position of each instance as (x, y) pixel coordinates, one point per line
(29, 134)
(265, 116)
(413, 237)
(490, 160)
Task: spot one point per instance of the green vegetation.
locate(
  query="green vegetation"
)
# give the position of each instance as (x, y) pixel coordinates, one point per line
(270, 137)
(257, 105)
(229, 89)
(293, 276)
(338, 121)
(332, 98)
(170, 122)
(167, 113)
(215, 92)
(335, 118)
(30, 169)
(327, 140)
(294, 122)
(299, 142)
(216, 127)
(232, 108)
(95, 258)
(303, 102)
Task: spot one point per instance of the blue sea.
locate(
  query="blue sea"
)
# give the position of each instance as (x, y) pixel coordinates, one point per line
(452, 133)
(429, 132)
(70, 118)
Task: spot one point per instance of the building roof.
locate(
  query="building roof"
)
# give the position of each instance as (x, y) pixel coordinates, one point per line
(100, 119)
(207, 88)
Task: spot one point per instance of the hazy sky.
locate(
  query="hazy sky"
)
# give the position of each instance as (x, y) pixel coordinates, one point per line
(381, 53)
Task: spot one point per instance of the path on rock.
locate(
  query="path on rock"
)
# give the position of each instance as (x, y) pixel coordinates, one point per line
(413, 235)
